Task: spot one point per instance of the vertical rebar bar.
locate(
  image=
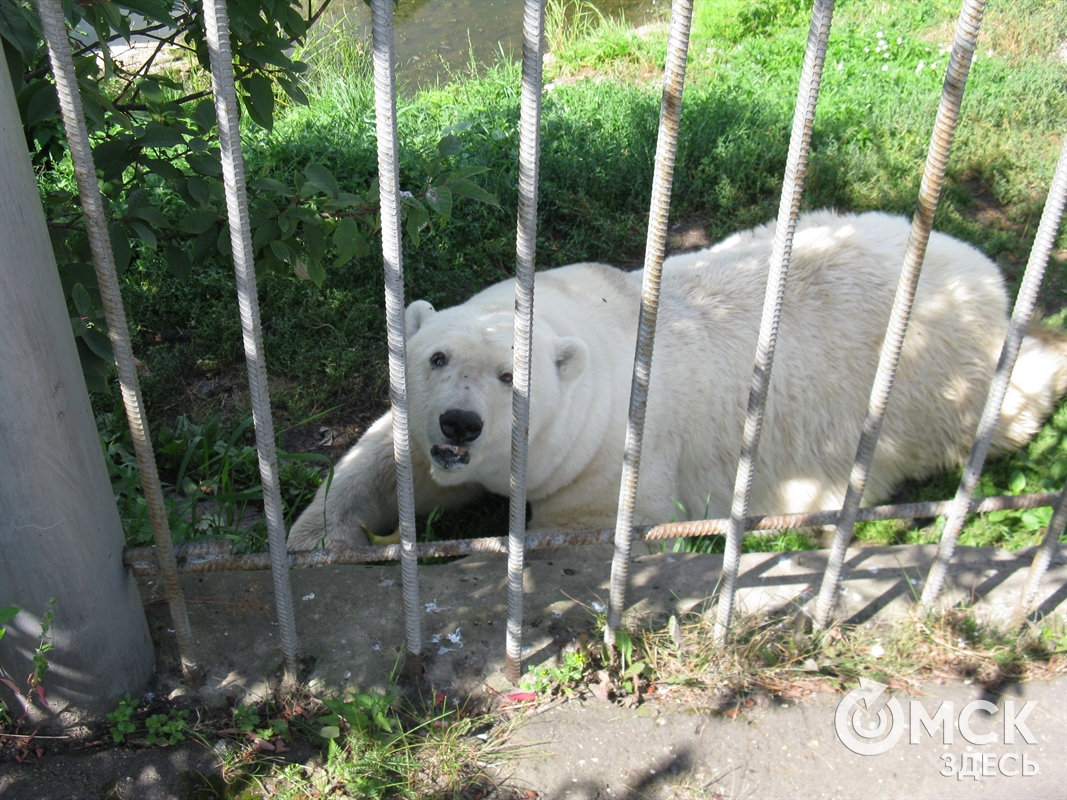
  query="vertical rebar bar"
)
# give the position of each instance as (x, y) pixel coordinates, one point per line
(217, 29)
(55, 34)
(389, 182)
(929, 193)
(788, 209)
(662, 180)
(526, 257)
(1020, 318)
(1042, 558)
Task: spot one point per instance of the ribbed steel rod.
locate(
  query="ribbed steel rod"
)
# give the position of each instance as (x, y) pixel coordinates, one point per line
(1042, 558)
(929, 193)
(216, 555)
(662, 181)
(217, 29)
(389, 183)
(1020, 318)
(70, 105)
(526, 258)
(788, 209)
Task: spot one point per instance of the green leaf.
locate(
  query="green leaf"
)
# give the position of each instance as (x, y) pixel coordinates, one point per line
(99, 344)
(199, 191)
(449, 146)
(322, 178)
(315, 240)
(178, 262)
(315, 272)
(474, 192)
(418, 218)
(296, 94)
(329, 732)
(120, 246)
(305, 214)
(466, 172)
(81, 300)
(271, 185)
(345, 238)
(260, 99)
(1017, 482)
(207, 164)
(158, 135)
(204, 245)
(439, 198)
(264, 233)
(204, 115)
(160, 12)
(43, 105)
(7, 614)
(144, 232)
(198, 221)
(15, 27)
(151, 215)
(163, 169)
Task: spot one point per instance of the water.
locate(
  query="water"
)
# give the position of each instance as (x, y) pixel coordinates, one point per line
(436, 37)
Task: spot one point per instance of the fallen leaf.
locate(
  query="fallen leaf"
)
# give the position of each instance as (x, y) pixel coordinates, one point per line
(601, 691)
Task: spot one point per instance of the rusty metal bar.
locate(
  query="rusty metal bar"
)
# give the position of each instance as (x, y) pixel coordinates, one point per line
(217, 29)
(922, 224)
(1042, 558)
(655, 245)
(216, 556)
(789, 207)
(389, 183)
(1020, 319)
(533, 26)
(55, 34)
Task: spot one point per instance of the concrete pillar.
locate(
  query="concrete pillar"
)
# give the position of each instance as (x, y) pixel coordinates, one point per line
(60, 534)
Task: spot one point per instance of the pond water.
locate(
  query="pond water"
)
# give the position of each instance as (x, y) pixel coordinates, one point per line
(434, 37)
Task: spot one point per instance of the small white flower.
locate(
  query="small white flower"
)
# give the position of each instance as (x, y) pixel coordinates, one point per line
(885, 68)
(877, 651)
(919, 68)
(599, 608)
(881, 34)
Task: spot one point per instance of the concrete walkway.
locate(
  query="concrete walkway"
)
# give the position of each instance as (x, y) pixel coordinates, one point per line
(350, 627)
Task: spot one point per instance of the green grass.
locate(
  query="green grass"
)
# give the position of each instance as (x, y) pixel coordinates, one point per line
(325, 347)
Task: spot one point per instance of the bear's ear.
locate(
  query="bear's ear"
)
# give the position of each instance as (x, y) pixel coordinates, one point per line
(418, 312)
(572, 355)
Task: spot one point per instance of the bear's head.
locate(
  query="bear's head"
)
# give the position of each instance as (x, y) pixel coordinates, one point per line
(460, 388)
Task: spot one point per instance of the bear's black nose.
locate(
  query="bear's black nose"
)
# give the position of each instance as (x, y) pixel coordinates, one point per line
(460, 427)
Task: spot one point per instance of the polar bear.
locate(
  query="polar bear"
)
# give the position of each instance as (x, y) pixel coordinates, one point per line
(842, 278)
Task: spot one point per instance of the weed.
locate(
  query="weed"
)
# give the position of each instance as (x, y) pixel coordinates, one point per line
(211, 480)
(245, 718)
(169, 728)
(548, 680)
(122, 717)
(34, 687)
(370, 715)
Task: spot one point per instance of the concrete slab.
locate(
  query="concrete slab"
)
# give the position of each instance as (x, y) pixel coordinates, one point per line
(350, 618)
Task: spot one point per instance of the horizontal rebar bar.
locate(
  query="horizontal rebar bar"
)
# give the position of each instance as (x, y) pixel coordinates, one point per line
(216, 555)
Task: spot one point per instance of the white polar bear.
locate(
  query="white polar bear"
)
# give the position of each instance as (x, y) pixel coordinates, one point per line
(842, 279)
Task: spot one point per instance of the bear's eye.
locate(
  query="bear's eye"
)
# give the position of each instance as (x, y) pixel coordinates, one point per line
(438, 360)
(505, 378)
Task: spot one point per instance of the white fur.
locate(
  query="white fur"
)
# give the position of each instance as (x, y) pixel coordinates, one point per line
(841, 283)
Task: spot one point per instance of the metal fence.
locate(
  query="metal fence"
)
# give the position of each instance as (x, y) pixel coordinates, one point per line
(211, 556)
